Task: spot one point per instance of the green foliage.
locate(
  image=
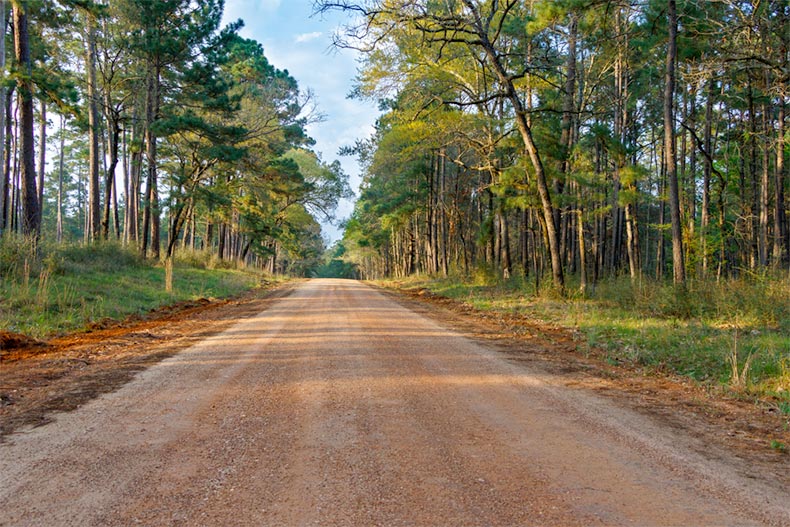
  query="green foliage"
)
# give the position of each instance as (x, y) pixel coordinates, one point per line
(640, 325)
(68, 287)
(337, 268)
(228, 127)
(17, 253)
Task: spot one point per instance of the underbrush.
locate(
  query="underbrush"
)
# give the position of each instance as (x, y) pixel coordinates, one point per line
(66, 287)
(731, 333)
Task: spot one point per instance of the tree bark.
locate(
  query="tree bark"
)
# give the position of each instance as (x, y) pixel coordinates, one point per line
(531, 148)
(114, 135)
(764, 191)
(3, 117)
(5, 184)
(42, 158)
(151, 213)
(30, 220)
(678, 263)
(94, 205)
(780, 251)
(61, 162)
(706, 175)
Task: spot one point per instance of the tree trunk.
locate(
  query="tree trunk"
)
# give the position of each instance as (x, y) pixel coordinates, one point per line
(765, 183)
(94, 205)
(582, 251)
(134, 166)
(780, 251)
(706, 175)
(42, 158)
(114, 134)
(678, 263)
(662, 210)
(5, 184)
(530, 147)
(61, 161)
(151, 213)
(506, 261)
(3, 117)
(31, 225)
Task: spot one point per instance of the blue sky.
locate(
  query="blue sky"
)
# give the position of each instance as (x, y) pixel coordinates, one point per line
(300, 43)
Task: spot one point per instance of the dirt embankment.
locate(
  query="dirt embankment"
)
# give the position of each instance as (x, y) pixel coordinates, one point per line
(39, 378)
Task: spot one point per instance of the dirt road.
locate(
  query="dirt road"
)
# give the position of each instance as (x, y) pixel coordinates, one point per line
(338, 406)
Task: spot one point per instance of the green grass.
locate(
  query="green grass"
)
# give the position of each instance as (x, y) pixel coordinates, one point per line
(696, 333)
(66, 288)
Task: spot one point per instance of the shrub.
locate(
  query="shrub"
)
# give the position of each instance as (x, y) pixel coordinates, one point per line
(17, 256)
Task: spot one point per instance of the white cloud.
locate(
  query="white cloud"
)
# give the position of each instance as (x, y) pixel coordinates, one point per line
(307, 37)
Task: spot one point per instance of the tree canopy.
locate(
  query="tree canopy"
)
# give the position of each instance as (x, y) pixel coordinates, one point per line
(170, 132)
(571, 137)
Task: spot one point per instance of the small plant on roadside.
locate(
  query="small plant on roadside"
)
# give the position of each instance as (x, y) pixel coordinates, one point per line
(42, 293)
(739, 375)
(778, 446)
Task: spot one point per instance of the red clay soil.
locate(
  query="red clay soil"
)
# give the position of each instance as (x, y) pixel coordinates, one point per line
(38, 378)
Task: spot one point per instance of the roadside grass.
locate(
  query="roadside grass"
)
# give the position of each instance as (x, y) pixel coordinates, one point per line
(68, 287)
(734, 334)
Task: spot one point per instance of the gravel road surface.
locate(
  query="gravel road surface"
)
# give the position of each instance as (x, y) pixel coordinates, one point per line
(338, 406)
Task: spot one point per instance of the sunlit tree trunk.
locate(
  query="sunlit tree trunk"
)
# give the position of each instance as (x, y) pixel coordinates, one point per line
(780, 218)
(5, 184)
(706, 175)
(151, 220)
(61, 163)
(30, 214)
(42, 158)
(678, 264)
(3, 117)
(94, 206)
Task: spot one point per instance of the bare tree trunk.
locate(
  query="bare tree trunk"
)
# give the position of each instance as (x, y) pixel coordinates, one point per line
(116, 213)
(678, 263)
(531, 148)
(13, 156)
(632, 241)
(134, 166)
(42, 158)
(114, 134)
(782, 231)
(707, 171)
(94, 205)
(780, 252)
(582, 251)
(5, 184)
(30, 220)
(443, 215)
(62, 157)
(505, 246)
(661, 242)
(765, 183)
(151, 213)
(3, 117)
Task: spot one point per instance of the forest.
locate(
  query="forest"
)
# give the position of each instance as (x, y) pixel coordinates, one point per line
(571, 141)
(148, 124)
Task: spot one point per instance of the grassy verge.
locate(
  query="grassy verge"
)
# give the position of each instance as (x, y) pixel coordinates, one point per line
(65, 288)
(734, 334)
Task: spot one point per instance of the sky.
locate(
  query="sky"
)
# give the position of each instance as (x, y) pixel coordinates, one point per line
(294, 39)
